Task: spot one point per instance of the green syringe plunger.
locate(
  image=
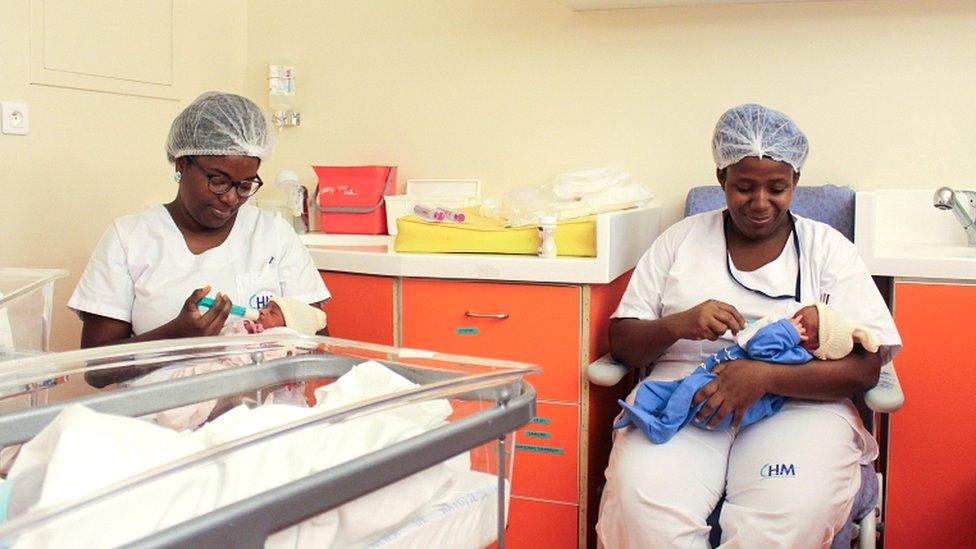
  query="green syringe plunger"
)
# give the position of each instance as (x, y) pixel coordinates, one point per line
(245, 312)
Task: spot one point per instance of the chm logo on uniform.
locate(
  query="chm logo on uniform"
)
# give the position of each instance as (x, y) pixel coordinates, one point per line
(260, 300)
(777, 470)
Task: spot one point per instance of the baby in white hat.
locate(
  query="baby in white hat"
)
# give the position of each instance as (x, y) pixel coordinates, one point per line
(661, 408)
(282, 312)
(828, 335)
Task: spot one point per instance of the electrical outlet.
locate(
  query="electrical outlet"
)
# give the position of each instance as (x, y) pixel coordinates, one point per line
(16, 118)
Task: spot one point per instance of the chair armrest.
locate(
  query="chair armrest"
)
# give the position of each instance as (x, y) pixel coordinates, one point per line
(886, 396)
(606, 371)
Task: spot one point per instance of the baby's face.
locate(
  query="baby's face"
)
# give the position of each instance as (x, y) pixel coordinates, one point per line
(809, 318)
(271, 316)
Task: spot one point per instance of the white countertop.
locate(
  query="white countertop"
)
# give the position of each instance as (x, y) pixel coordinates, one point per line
(622, 237)
(900, 233)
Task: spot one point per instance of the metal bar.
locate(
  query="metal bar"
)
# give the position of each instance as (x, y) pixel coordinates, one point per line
(20, 426)
(501, 491)
(249, 522)
(499, 316)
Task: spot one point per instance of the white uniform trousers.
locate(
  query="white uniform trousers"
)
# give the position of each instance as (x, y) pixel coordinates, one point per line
(790, 481)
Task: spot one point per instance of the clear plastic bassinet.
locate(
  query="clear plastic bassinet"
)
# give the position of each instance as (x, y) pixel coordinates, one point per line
(295, 482)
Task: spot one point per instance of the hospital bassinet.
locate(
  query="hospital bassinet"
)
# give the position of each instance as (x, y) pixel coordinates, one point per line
(26, 301)
(488, 401)
(26, 297)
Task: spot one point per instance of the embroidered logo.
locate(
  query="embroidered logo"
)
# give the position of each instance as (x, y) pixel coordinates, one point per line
(260, 300)
(777, 470)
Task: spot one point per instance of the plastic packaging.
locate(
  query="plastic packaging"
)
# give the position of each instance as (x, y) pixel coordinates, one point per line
(245, 312)
(452, 215)
(590, 191)
(547, 236)
(430, 214)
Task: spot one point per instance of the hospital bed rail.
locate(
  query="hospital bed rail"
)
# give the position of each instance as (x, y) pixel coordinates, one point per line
(248, 522)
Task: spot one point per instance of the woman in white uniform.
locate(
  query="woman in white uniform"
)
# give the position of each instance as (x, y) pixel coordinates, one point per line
(789, 480)
(149, 269)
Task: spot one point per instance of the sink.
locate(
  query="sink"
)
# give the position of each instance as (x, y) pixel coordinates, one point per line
(899, 233)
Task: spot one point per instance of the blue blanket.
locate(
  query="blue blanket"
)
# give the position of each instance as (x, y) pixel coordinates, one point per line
(662, 408)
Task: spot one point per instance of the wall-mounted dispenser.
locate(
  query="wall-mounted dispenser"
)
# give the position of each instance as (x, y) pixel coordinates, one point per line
(281, 94)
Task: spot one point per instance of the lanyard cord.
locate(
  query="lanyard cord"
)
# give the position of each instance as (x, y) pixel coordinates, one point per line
(796, 246)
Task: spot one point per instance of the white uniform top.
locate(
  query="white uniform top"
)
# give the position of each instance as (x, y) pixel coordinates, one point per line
(687, 264)
(141, 271)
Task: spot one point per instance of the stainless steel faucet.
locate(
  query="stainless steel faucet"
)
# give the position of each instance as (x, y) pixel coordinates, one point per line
(963, 204)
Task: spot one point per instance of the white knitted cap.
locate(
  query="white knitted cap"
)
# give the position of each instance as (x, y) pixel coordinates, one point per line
(837, 335)
(301, 317)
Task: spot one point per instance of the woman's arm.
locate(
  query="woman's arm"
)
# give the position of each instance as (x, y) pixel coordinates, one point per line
(98, 331)
(741, 383)
(637, 343)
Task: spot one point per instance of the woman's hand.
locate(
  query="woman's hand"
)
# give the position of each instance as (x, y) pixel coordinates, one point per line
(707, 320)
(738, 385)
(191, 323)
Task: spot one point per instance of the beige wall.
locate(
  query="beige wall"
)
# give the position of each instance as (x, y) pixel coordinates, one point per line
(91, 157)
(508, 91)
(514, 91)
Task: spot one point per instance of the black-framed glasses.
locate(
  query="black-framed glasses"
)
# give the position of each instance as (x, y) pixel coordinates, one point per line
(219, 183)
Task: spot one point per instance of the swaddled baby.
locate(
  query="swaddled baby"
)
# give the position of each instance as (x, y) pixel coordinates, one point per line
(281, 314)
(661, 408)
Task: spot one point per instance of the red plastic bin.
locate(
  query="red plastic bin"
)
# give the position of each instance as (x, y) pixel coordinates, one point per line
(350, 199)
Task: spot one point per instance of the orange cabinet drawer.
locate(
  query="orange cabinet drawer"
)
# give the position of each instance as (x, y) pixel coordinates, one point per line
(361, 307)
(547, 454)
(534, 323)
(931, 478)
(541, 524)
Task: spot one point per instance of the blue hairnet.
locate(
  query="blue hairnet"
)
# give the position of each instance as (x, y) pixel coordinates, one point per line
(220, 124)
(754, 130)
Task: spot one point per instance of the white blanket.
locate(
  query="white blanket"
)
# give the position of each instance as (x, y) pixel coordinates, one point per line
(83, 450)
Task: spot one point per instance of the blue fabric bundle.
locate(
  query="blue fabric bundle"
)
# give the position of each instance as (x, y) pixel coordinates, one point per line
(662, 408)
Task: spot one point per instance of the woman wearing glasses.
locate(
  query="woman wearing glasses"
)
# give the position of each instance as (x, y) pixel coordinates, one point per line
(789, 480)
(149, 269)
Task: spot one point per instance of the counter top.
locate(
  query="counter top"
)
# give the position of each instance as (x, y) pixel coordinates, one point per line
(622, 238)
(899, 233)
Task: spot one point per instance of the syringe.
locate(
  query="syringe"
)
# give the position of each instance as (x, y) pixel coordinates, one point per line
(246, 312)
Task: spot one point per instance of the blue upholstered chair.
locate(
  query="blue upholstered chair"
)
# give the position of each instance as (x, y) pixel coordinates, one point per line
(835, 206)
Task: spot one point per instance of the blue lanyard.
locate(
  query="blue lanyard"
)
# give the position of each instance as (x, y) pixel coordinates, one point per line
(796, 245)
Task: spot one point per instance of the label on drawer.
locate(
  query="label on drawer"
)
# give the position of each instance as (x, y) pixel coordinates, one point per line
(537, 434)
(540, 449)
(466, 330)
(540, 420)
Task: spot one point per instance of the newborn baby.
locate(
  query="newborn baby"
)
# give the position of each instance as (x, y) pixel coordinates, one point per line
(661, 408)
(282, 313)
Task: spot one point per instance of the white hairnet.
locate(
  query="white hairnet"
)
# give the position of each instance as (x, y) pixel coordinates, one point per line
(220, 124)
(754, 130)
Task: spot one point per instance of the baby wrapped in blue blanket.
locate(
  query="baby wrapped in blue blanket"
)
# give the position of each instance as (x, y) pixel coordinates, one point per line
(661, 408)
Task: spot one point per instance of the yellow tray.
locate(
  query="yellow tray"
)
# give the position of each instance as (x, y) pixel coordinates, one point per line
(478, 234)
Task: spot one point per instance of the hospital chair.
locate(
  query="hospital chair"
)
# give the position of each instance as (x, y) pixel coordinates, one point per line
(835, 206)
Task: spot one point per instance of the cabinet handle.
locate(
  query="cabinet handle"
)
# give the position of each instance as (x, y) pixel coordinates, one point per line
(499, 316)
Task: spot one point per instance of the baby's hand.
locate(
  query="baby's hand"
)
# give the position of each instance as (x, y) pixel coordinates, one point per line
(253, 327)
(799, 328)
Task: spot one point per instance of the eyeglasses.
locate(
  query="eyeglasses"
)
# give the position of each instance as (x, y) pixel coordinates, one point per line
(219, 183)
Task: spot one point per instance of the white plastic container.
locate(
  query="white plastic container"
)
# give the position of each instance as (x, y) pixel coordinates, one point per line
(547, 236)
(26, 300)
(434, 193)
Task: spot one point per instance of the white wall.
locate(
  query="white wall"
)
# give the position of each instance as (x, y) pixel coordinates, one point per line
(515, 91)
(91, 157)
